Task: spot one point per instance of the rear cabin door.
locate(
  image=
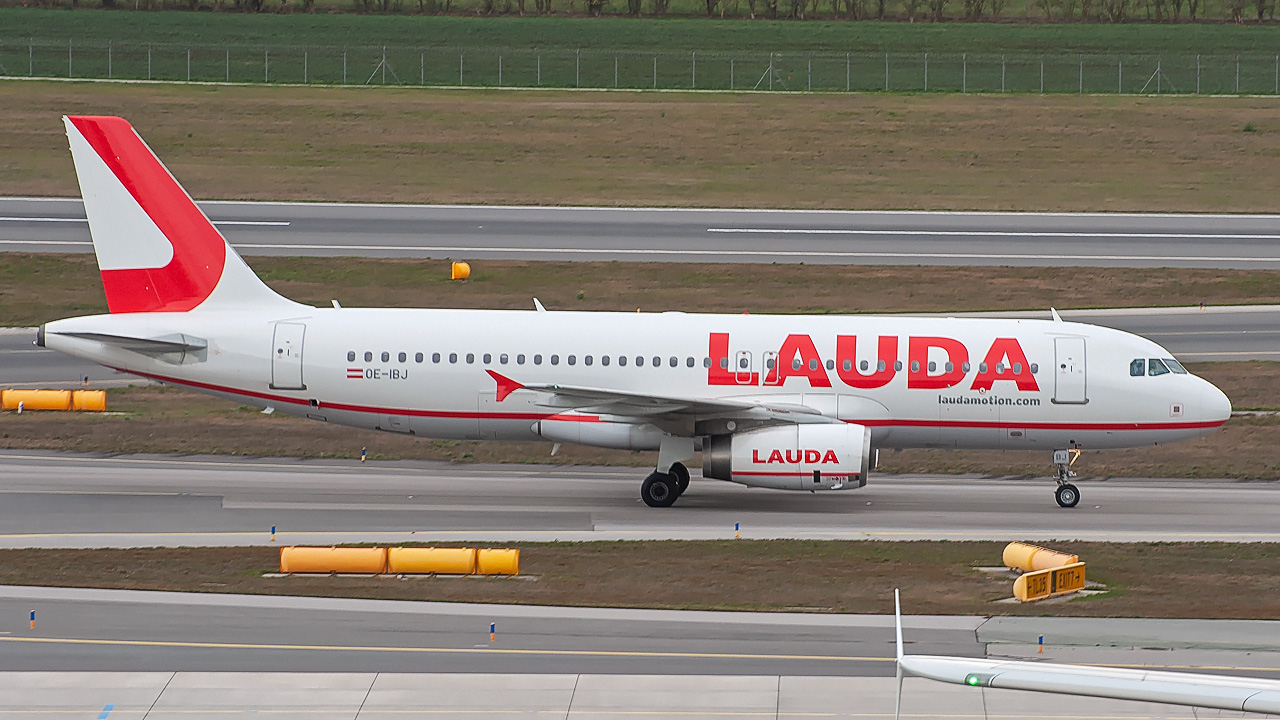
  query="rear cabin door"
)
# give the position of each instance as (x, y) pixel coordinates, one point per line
(286, 356)
(1070, 381)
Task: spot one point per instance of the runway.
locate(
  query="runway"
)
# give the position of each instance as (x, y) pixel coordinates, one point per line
(1213, 334)
(682, 235)
(91, 500)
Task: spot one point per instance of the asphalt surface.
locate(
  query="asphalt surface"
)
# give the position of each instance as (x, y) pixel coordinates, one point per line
(667, 235)
(1194, 335)
(137, 631)
(90, 500)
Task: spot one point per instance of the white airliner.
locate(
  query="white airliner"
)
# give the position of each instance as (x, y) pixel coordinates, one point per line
(788, 402)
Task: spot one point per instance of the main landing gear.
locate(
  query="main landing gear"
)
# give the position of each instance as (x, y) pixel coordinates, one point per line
(663, 489)
(1067, 495)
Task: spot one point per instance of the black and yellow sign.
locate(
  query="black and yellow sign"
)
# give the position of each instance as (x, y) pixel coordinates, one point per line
(1043, 584)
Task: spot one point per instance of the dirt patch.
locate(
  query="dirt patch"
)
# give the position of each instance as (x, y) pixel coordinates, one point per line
(1144, 579)
(982, 152)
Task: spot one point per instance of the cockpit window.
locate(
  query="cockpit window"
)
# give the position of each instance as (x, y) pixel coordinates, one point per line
(1156, 366)
(1175, 366)
(1138, 368)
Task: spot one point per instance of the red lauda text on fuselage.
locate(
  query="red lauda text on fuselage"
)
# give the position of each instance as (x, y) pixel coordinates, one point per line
(1004, 361)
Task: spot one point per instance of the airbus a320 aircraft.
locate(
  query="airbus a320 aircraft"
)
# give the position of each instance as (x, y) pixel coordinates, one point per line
(786, 402)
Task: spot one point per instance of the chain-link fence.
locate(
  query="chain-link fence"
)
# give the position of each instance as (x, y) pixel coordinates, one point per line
(780, 71)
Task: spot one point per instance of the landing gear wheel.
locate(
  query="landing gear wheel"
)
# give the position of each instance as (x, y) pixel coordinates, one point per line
(659, 490)
(681, 474)
(1067, 495)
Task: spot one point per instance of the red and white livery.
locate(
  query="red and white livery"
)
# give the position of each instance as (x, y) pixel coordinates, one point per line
(788, 402)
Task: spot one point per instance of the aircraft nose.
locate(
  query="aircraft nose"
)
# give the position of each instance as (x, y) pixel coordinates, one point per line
(1214, 404)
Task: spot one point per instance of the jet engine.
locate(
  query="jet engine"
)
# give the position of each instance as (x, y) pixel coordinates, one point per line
(793, 457)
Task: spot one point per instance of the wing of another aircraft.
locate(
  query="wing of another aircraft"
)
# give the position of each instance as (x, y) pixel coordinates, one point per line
(1224, 692)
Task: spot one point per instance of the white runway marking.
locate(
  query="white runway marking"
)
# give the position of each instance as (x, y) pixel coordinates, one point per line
(996, 233)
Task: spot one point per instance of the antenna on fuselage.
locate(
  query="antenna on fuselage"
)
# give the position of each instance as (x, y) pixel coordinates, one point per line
(1056, 316)
(537, 305)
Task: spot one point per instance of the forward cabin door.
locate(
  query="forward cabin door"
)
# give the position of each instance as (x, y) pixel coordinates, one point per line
(1070, 382)
(286, 356)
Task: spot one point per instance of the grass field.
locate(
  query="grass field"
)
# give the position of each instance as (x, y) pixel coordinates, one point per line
(669, 149)
(17, 25)
(1145, 580)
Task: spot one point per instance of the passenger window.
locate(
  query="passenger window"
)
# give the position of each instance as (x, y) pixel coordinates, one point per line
(453, 357)
(1175, 366)
(351, 356)
(573, 359)
(706, 362)
(1035, 368)
(1017, 368)
(417, 357)
(587, 360)
(880, 366)
(368, 356)
(604, 360)
(742, 364)
(965, 366)
(555, 359)
(933, 366)
(402, 357)
(622, 360)
(657, 361)
(1155, 366)
(674, 361)
(795, 364)
(386, 356)
(471, 358)
(502, 358)
(537, 359)
(639, 361)
(948, 367)
(435, 357)
(982, 367)
(689, 361)
(831, 364)
(915, 366)
(487, 358)
(520, 359)
(897, 365)
(769, 363)
(999, 368)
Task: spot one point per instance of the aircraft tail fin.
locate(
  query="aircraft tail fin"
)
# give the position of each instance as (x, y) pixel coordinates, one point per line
(157, 252)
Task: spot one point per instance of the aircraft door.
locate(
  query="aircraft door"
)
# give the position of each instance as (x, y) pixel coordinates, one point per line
(286, 356)
(742, 368)
(1070, 381)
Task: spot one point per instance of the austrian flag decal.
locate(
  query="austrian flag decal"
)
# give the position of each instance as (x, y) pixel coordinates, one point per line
(355, 373)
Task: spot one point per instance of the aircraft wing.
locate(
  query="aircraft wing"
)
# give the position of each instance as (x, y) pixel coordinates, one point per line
(1224, 692)
(657, 407)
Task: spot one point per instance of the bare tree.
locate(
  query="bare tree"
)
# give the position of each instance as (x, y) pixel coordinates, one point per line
(659, 7)
(997, 7)
(1158, 6)
(634, 7)
(1047, 6)
(937, 8)
(911, 8)
(1116, 10)
(1236, 8)
(711, 7)
(594, 7)
(973, 9)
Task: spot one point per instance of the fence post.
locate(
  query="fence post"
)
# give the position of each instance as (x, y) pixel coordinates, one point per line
(1081, 74)
(344, 70)
(1277, 90)
(266, 64)
(1158, 74)
(1237, 74)
(964, 73)
(304, 64)
(460, 68)
(109, 46)
(577, 68)
(539, 69)
(306, 67)
(926, 72)
(1001, 73)
(886, 72)
(846, 72)
(148, 61)
(770, 71)
(1120, 76)
(615, 71)
(809, 76)
(344, 65)
(383, 64)
(1197, 74)
(655, 72)
(31, 58)
(1041, 74)
(695, 70)
(69, 57)
(499, 70)
(731, 61)
(422, 68)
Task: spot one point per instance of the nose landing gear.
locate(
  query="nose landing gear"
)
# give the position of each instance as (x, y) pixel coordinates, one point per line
(1067, 495)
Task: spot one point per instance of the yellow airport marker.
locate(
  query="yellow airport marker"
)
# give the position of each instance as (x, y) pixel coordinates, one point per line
(33, 619)
(493, 631)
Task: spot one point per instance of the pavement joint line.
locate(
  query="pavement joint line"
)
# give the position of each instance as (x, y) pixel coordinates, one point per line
(993, 233)
(762, 534)
(442, 650)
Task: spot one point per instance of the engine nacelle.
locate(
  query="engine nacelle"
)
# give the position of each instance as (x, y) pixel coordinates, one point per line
(618, 436)
(795, 457)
